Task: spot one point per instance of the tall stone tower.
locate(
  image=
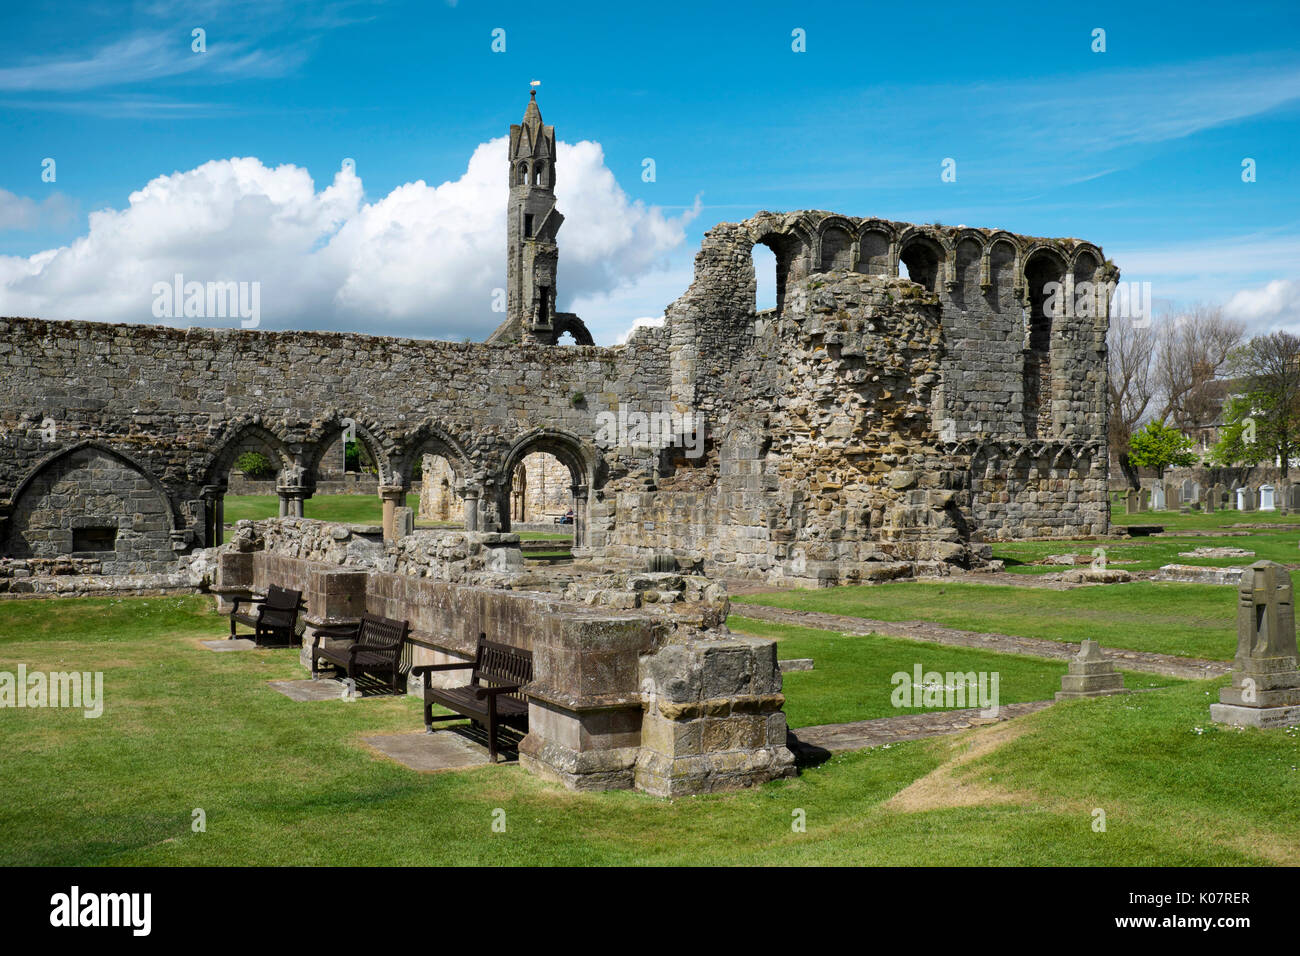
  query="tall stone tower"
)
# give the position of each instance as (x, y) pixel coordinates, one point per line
(531, 224)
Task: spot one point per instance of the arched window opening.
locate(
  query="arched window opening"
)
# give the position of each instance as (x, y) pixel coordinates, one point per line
(920, 263)
(1044, 281)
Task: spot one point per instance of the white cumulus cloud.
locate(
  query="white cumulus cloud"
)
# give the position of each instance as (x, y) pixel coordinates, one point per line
(1276, 304)
(422, 261)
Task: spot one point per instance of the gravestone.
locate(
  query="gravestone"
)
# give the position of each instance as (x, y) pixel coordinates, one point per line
(1265, 689)
(1191, 491)
(1282, 498)
(1130, 502)
(1090, 675)
(1293, 497)
(1266, 498)
(1219, 496)
(1158, 497)
(1173, 495)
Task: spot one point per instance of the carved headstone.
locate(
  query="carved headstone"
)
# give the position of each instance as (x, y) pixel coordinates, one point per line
(1266, 498)
(1158, 496)
(1130, 502)
(1265, 689)
(1090, 675)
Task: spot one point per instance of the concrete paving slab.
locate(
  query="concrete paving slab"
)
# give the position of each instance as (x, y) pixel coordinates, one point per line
(303, 690)
(428, 753)
(239, 644)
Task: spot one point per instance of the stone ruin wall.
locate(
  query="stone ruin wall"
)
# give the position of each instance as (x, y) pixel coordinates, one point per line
(868, 426)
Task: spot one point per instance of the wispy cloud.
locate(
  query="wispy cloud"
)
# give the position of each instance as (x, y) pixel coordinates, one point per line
(143, 58)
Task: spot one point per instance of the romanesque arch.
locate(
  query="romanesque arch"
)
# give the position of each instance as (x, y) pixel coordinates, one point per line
(1045, 291)
(835, 240)
(875, 248)
(444, 474)
(1004, 259)
(924, 258)
(579, 457)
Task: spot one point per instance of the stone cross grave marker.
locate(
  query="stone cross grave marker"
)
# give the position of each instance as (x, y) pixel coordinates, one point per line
(1265, 689)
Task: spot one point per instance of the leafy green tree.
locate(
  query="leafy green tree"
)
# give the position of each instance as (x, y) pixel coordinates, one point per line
(1256, 431)
(1263, 421)
(1159, 446)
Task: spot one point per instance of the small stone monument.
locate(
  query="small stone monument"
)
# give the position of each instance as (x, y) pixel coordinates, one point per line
(1265, 690)
(1090, 675)
(1158, 497)
(1130, 502)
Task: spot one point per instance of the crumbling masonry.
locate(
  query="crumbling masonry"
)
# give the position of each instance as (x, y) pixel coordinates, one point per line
(867, 427)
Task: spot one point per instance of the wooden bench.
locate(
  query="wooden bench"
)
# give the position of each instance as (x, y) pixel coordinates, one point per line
(274, 617)
(371, 646)
(492, 695)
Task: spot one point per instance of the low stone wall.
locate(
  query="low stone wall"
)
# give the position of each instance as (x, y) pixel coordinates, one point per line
(627, 692)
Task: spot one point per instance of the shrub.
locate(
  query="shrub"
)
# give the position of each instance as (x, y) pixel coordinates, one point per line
(255, 465)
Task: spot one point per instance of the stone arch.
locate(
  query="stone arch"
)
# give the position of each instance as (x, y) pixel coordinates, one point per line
(875, 248)
(925, 258)
(1085, 267)
(968, 268)
(248, 433)
(1044, 271)
(238, 436)
(91, 486)
(1004, 271)
(368, 434)
(789, 252)
(835, 242)
(568, 322)
(431, 439)
(578, 456)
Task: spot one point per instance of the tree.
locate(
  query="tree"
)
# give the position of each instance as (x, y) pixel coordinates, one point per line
(1158, 446)
(1192, 351)
(1263, 421)
(1129, 350)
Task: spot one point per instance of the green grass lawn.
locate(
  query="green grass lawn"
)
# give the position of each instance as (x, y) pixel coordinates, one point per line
(290, 783)
(1189, 620)
(852, 674)
(1148, 554)
(1173, 521)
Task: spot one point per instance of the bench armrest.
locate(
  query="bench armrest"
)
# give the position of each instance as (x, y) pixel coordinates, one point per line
(480, 692)
(394, 649)
(336, 632)
(422, 669)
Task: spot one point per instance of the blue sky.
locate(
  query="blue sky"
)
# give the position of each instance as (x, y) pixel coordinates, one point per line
(1138, 149)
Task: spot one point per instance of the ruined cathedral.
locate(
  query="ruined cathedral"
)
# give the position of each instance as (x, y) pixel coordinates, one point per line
(869, 426)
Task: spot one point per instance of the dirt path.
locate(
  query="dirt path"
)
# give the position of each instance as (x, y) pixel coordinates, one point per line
(814, 744)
